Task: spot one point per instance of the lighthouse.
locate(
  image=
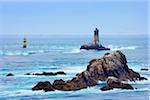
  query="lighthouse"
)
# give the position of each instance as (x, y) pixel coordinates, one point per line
(96, 37)
(95, 45)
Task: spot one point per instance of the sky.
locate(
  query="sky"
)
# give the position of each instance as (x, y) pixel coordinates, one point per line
(111, 17)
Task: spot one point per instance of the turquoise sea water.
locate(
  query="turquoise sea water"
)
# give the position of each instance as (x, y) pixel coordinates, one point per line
(62, 53)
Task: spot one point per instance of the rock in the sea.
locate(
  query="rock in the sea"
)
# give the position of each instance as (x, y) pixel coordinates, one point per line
(106, 88)
(60, 73)
(113, 82)
(81, 81)
(50, 73)
(44, 73)
(110, 65)
(92, 46)
(142, 78)
(10, 74)
(46, 86)
(144, 69)
(27, 74)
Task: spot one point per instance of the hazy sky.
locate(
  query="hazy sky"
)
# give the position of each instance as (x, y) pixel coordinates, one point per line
(65, 17)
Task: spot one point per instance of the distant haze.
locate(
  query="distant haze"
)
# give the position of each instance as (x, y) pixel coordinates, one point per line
(111, 17)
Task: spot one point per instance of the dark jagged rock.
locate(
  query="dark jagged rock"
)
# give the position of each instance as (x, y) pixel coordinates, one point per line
(144, 69)
(114, 64)
(45, 73)
(110, 65)
(46, 86)
(106, 88)
(10, 74)
(48, 73)
(92, 46)
(116, 83)
(81, 81)
(113, 82)
(27, 74)
(60, 73)
(142, 78)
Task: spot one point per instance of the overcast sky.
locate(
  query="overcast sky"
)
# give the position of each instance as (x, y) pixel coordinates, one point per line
(65, 17)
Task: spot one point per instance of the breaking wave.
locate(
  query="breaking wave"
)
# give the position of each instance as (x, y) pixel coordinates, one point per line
(75, 50)
(112, 47)
(83, 92)
(64, 49)
(17, 53)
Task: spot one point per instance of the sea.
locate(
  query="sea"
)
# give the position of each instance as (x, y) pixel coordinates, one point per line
(53, 53)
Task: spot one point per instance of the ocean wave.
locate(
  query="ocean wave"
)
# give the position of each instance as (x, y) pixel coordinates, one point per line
(57, 93)
(67, 68)
(24, 52)
(123, 90)
(21, 53)
(75, 50)
(19, 93)
(64, 49)
(113, 47)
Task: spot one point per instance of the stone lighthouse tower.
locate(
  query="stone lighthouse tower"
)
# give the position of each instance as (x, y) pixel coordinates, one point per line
(96, 37)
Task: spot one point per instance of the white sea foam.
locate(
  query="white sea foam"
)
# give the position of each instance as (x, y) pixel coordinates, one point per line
(19, 93)
(1, 53)
(123, 90)
(74, 69)
(11, 53)
(113, 48)
(76, 50)
(65, 49)
(18, 53)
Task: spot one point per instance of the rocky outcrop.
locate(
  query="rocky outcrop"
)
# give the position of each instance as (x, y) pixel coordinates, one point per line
(114, 64)
(46, 86)
(110, 65)
(113, 82)
(10, 74)
(144, 69)
(48, 73)
(27, 74)
(82, 80)
(92, 46)
(60, 73)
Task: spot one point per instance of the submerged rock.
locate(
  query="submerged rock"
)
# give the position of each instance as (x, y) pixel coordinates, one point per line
(46, 86)
(112, 67)
(10, 74)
